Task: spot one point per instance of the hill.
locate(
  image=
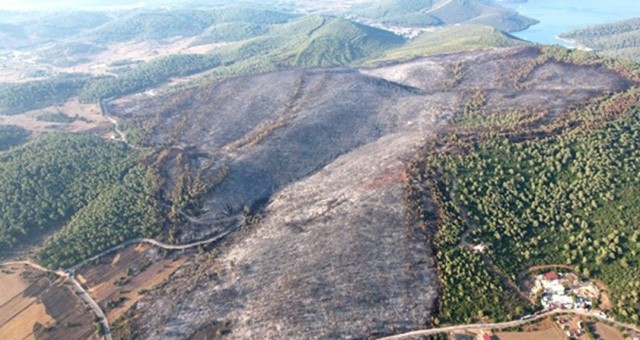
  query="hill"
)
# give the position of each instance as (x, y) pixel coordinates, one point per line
(313, 170)
(28, 29)
(73, 181)
(421, 13)
(451, 39)
(310, 41)
(341, 42)
(231, 31)
(620, 39)
(144, 25)
(145, 76)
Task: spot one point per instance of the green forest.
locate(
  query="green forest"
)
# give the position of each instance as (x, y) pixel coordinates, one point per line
(124, 211)
(146, 75)
(57, 117)
(621, 39)
(420, 13)
(21, 97)
(566, 199)
(80, 182)
(47, 180)
(11, 136)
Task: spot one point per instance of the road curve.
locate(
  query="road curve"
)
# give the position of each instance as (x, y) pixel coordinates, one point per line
(153, 243)
(508, 324)
(84, 295)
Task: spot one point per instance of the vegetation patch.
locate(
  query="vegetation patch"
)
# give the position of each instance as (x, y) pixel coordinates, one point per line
(11, 136)
(146, 75)
(21, 97)
(57, 117)
(558, 200)
(85, 184)
(620, 39)
(418, 13)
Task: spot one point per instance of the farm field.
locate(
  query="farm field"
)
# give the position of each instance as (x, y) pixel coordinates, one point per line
(116, 282)
(607, 332)
(88, 117)
(36, 305)
(552, 333)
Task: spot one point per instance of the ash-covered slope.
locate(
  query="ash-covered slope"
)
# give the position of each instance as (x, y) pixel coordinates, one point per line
(334, 255)
(273, 129)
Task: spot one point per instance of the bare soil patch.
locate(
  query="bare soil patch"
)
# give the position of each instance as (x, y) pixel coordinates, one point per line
(19, 66)
(35, 305)
(118, 281)
(549, 334)
(607, 332)
(101, 63)
(89, 116)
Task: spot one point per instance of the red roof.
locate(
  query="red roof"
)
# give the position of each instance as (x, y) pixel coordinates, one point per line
(551, 276)
(486, 337)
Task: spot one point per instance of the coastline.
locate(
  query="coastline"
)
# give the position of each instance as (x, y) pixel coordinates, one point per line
(574, 43)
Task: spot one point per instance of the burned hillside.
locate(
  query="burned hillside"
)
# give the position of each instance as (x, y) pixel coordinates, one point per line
(320, 157)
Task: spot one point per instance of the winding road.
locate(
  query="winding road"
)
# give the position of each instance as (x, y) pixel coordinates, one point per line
(69, 274)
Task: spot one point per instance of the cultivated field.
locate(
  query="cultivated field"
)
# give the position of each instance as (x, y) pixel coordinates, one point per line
(38, 305)
(118, 281)
(549, 334)
(607, 332)
(89, 119)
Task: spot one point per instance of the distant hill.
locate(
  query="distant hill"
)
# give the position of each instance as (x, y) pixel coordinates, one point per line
(452, 39)
(162, 24)
(21, 29)
(621, 39)
(231, 31)
(311, 41)
(412, 13)
(340, 42)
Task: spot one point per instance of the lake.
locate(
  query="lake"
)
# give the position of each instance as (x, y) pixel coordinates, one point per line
(559, 16)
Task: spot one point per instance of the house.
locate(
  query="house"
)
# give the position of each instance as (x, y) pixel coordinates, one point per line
(551, 276)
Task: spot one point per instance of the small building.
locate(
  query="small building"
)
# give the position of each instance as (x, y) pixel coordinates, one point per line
(551, 276)
(479, 248)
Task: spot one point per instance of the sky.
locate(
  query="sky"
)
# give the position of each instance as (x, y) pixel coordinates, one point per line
(49, 4)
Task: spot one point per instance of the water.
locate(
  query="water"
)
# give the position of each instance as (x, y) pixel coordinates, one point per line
(560, 16)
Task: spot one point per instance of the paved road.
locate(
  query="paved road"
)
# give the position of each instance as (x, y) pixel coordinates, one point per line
(154, 243)
(69, 274)
(82, 294)
(508, 324)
